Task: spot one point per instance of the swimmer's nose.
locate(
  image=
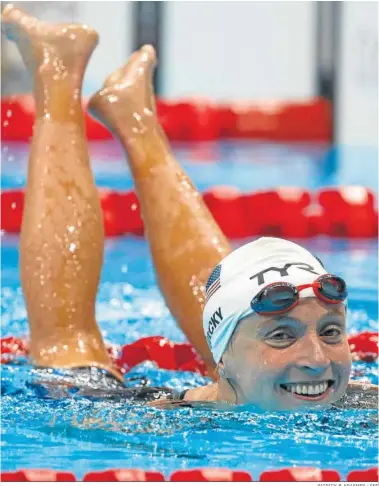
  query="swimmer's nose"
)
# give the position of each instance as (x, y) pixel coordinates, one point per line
(314, 359)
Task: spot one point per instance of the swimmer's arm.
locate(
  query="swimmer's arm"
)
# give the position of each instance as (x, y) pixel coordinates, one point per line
(167, 403)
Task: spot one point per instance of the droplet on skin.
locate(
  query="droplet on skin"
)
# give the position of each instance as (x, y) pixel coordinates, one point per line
(147, 111)
(112, 98)
(82, 346)
(72, 247)
(53, 350)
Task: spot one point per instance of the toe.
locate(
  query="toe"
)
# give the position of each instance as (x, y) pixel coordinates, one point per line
(16, 21)
(150, 51)
(149, 56)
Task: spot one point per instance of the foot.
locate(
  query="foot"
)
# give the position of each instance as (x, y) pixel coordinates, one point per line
(126, 100)
(50, 51)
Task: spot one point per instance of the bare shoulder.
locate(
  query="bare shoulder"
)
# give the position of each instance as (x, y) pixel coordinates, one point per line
(358, 386)
(208, 393)
(360, 395)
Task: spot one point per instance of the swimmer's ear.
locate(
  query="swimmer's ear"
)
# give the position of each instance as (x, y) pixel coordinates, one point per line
(221, 369)
(227, 391)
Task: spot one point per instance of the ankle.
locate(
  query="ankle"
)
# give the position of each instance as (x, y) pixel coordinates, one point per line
(148, 138)
(58, 100)
(145, 149)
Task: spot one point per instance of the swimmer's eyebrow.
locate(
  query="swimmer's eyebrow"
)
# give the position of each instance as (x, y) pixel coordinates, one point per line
(333, 313)
(276, 320)
(273, 321)
(281, 318)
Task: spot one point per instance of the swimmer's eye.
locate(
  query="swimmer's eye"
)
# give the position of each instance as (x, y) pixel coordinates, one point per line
(332, 333)
(280, 339)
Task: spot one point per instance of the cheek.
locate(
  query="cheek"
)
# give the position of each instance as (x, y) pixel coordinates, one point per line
(243, 363)
(341, 355)
(249, 354)
(265, 359)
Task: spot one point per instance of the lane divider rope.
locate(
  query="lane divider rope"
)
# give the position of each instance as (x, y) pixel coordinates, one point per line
(288, 212)
(195, 120)
(302, 474)
(176, 356)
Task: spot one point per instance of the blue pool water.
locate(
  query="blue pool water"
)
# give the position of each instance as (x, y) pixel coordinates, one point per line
(81, 435)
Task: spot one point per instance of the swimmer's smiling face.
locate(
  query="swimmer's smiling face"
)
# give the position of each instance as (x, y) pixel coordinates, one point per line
(290, 361)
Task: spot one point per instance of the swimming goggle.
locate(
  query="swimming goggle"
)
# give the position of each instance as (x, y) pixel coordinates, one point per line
(280, 297)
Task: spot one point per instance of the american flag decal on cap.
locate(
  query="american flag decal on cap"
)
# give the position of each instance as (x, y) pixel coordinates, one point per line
(213, 283)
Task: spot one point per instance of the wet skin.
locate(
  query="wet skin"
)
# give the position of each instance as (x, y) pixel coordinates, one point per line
(304, 347)
(270, 357)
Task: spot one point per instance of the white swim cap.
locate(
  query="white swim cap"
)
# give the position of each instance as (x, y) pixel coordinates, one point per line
(242, 274)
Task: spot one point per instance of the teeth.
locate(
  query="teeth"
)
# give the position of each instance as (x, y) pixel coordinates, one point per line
(307, 389)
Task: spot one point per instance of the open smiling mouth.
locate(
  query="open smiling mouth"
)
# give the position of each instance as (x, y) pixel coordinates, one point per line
(308, 391)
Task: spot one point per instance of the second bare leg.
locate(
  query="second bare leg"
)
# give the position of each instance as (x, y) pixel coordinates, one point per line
(186, 243)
